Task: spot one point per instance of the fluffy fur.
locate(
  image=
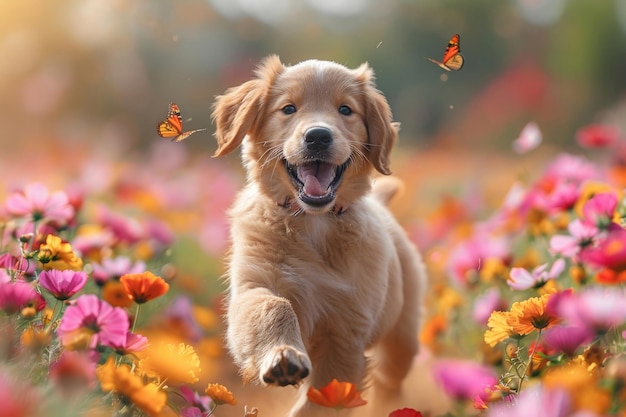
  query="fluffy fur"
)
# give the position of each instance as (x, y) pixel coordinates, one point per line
(323, 281)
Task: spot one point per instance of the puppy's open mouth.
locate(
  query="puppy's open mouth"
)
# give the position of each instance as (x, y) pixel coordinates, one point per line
(316, 181)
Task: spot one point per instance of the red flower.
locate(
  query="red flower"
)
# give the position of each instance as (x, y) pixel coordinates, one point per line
(405, 412)
(337, 395)
(597, 136)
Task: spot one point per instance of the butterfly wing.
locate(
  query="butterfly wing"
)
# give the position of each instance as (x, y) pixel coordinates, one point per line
(185, 135)
(452, 58)
(529, 138)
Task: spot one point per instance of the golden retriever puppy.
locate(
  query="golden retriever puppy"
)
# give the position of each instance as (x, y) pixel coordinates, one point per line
(322, 279)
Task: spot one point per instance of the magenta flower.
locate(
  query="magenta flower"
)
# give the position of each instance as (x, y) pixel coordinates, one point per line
(125, 229)
(94, 318)
(599, 210)
(36, 202)
(199, 405)
(114, 268)
(464, 379)
(62, 284)
(595, 308)
(16, 295)
(609, 252)
(521, 279)
(581, 235)
(597, 136)
(566, 338)
(572, 168)
(468, 257)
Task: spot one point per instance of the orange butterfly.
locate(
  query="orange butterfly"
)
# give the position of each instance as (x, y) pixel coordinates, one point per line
(172, 127)
(452, 58)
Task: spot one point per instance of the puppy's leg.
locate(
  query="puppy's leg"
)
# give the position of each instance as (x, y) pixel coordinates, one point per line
(395, 352)
(264, 338)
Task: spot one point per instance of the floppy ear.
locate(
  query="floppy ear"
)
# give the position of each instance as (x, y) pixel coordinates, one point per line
(235, 112)
(382, 133)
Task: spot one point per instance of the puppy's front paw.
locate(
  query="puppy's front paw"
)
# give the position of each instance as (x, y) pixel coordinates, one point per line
(284, 365)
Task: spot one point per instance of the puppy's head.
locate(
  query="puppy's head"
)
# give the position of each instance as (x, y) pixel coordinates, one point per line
(311, 133)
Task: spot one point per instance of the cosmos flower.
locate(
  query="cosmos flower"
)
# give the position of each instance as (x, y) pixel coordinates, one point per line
(336, 394)
(113, 268)
(15, 295)
(521, 279)
(94, 322)
(599, 210)
(535, 401)
(62, 284)
(56, 254)
(144, 287)
(178, 363)
(220, 394)
(463, 379)
(608, 252)
(120, 379)
(581, 235)
(566, 338)
(37, 203)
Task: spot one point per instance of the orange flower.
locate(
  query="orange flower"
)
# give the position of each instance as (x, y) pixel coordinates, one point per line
(149, 398)
(220, 394)
(337, 395)
(114, 293)
(178, 364)
(530, 315)
(144, 287)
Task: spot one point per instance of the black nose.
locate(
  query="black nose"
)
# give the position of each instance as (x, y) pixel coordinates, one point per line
(318, 138)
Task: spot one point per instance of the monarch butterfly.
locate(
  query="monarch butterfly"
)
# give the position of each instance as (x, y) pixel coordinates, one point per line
(172, 127)
(452, 58)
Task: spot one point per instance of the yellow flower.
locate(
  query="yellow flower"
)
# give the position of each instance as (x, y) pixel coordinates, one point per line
(148, 397)
(178, 364)
(55, 254)
(499, 328)
(582, 386)
(220, 394)
(530, 315)
(114, 293)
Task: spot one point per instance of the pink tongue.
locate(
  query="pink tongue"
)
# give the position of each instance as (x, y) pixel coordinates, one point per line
(316, 177)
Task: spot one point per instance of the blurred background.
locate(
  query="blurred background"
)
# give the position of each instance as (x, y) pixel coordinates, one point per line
(102, 72)
(83, 84)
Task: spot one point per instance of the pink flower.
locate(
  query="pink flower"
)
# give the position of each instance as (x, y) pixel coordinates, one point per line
(594, 308)
(36, 203)
(463, 379)
(581, 235)
(74, 371)
(62, 284)
(18, 398)
(597, 136)
(535, 401)
(468, 257)
(16, 295)
(571, 168)
(599, 210)
(125, 229)
(199, 405)
(566, 338)
(132, 343)
(609, 252)
(487, 303)
(521, 279)
(114, 268)
(95, 318)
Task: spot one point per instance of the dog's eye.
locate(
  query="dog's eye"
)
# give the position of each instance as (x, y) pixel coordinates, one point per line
(289, 109)
(345, 110)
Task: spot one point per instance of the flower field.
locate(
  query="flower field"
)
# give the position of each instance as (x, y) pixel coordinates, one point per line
(110, 289)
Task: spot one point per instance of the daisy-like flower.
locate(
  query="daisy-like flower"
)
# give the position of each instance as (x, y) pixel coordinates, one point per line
(609, 252)
(336, 394)
(463, 379)
(535, 401)
(16, 295)
(37, 203)
(178, 364)
(531, 314)
(56, 254)
(498, 328)
(133, 343)
(62, 284)
(145, 286)
(220, 394)
(114, 293)
(114, 268)
(521, 279)
(147, 397)
(599, 210)
(197, 404)
(595, 308)
(94, 322)
(581, 235)
(566, 338)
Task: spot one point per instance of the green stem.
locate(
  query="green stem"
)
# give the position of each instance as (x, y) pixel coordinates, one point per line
(136, 318)
(530, 361)
(53, 317)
